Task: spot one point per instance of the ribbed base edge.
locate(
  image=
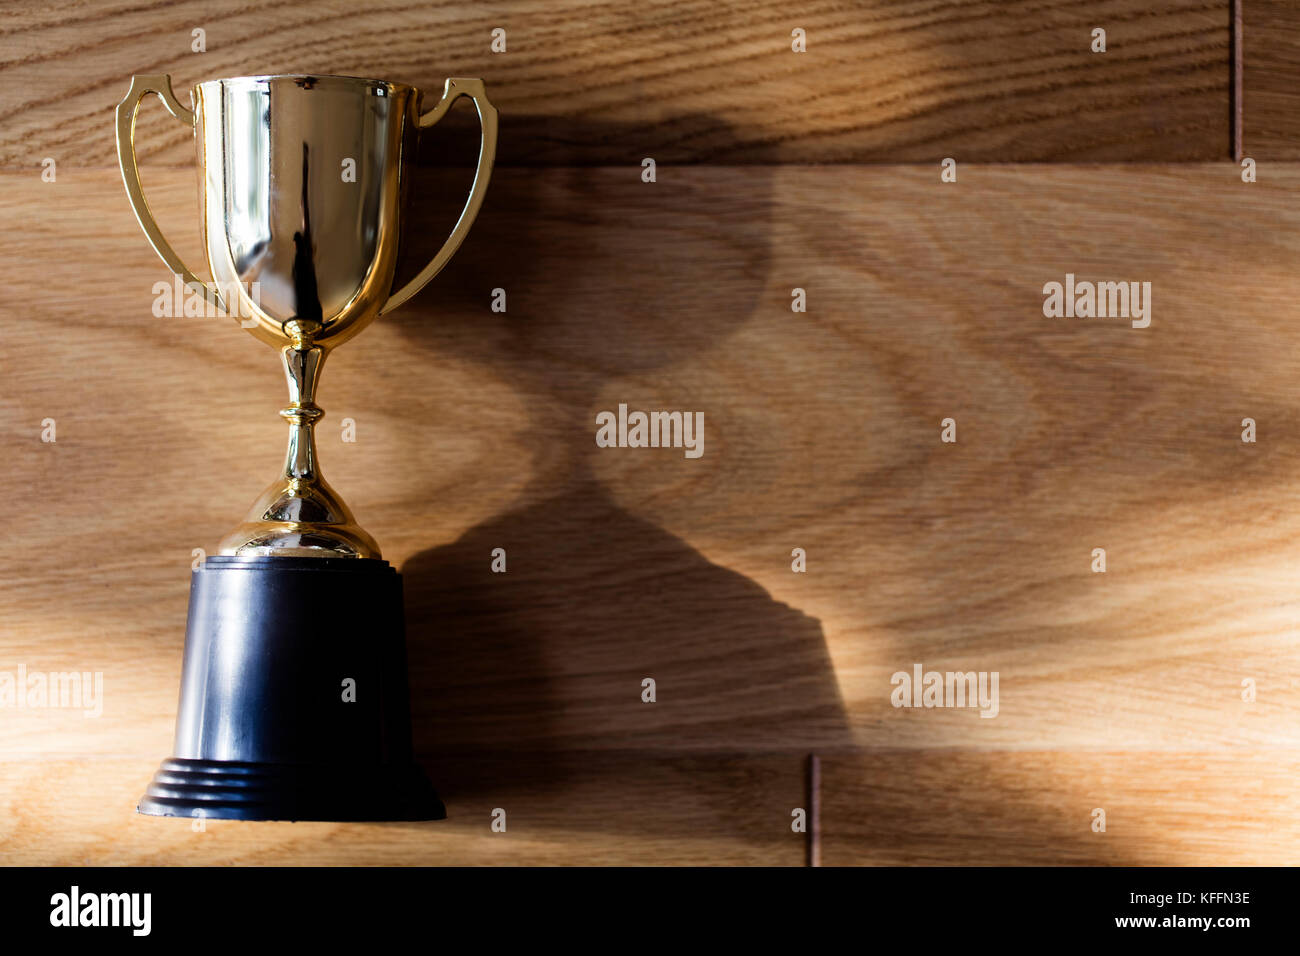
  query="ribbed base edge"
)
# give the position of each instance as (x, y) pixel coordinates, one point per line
(230, 790)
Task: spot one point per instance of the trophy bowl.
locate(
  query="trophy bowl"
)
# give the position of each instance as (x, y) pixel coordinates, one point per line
(308, 206)
(294, 700)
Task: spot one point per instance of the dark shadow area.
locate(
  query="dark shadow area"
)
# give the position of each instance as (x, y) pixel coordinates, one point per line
(606, 279)
(526, 687)
(678, 138)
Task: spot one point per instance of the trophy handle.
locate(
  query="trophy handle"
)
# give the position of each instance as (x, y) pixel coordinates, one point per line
(127, 110)
(454, 88)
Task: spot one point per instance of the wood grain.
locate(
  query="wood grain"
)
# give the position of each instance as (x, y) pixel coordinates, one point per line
(689, 81)
(941, 808)
(1271, 79)
(619, 810)
(475, 431)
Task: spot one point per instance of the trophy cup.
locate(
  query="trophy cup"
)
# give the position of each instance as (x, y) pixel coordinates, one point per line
(294, 702)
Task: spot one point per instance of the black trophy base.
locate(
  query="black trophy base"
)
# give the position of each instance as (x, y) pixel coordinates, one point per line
(294, 701)
(227, 790)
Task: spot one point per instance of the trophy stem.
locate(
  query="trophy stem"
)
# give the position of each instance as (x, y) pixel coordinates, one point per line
(300, 515)
(302, 365)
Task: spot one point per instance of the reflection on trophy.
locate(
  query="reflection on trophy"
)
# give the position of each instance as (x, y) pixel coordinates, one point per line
(294, 701)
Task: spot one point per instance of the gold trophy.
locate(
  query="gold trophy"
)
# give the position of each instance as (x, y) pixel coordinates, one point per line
(294, 701)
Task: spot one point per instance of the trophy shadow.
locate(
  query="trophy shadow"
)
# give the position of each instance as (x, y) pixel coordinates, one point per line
(530, 685)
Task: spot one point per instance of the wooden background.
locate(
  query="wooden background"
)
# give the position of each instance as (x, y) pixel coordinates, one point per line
(822, 431)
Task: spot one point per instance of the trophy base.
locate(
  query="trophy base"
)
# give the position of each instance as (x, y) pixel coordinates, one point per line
(229, 790)
(294, 702)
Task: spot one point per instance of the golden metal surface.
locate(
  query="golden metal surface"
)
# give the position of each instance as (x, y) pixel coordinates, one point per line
(302, 182)
(127, 110)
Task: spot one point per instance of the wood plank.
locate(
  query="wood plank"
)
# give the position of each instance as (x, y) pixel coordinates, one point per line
(691, 81)
(475, 430)
(937, 808)
(1271, 80)
(567, 809)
